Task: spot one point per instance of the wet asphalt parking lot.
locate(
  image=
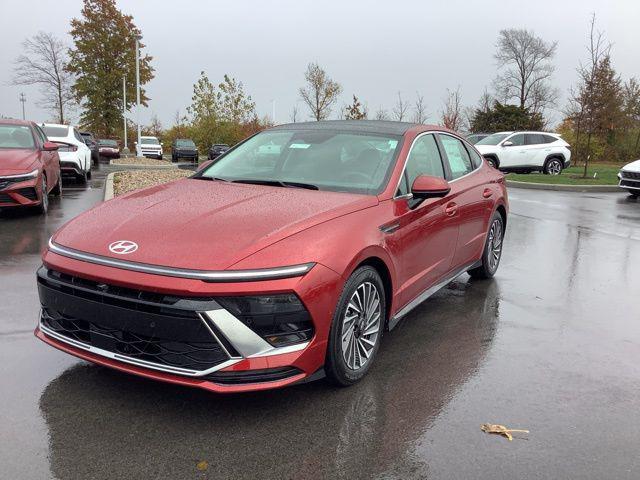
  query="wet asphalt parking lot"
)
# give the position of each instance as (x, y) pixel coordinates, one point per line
(552, 344)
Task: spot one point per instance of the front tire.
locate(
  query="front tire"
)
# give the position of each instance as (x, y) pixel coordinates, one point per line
(57, 190)
(492, 162)
(492, 252)
(43, 208)
(357, 327)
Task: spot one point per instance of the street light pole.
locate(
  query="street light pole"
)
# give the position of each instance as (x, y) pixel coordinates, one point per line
(124, 109)
(23, 100)
(138, 90)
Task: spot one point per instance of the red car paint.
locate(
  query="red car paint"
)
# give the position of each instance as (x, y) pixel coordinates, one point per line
(20, 161)
(224, 226)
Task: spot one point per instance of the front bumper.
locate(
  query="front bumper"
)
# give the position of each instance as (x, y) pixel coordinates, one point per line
(629, 180)
(151, 153)
(25, 193)
(231, 357)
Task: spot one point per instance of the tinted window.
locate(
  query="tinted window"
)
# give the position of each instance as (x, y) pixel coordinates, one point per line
(424, 159)
(549, 138)
(494, 139)
(476, 159)
(517, 139)
(534, 139)
(59, 132)
(457, 156)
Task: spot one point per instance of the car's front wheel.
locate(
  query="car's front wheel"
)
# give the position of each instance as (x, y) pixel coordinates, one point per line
(356, 330)
(44, 200)
(492, 249)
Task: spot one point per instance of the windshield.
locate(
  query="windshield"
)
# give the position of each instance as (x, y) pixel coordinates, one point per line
(16, 136)
(329, 160)
(185, 143)
(108, 143)
(149, 141)
(59, 132)
(494, 139)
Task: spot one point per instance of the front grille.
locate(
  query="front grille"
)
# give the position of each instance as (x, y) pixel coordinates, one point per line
(196, 356)
(632, 175)
(29, 193)
(630, 183)
(4, 198)
(162, 329)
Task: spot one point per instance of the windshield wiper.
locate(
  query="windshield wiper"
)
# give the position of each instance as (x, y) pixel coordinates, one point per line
(277, 183)
(212, 178)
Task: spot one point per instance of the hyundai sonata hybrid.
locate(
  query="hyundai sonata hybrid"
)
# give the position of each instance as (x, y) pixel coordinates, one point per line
(283, 261)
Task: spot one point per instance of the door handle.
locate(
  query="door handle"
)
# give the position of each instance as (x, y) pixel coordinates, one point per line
(487, 193)
(451, 209)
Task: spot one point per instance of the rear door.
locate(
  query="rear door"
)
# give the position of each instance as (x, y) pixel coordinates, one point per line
(426, 234)
(470, 197)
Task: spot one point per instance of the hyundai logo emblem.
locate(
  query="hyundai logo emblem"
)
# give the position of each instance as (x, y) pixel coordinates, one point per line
(123, 247)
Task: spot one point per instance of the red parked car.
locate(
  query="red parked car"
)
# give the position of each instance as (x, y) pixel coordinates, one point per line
(29, 166)
(283, 261)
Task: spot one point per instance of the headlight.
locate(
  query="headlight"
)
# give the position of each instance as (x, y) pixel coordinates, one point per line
(22, 176)
(280, 319)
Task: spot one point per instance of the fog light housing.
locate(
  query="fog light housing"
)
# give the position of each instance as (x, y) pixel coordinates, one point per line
(281, 320)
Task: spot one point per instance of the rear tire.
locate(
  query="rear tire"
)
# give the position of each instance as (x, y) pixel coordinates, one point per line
(357, 327)
(553, 166)
(492, 252)
(82, 178)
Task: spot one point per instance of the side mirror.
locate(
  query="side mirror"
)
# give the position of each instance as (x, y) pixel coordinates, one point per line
(204, 165)
(50, 146)
(426, 186)
(508, 143)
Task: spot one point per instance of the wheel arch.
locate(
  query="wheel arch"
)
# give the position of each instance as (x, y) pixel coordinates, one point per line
(494, 157)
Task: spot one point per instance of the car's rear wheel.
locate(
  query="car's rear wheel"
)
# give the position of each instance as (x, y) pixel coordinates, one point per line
(492, 249)
(82, 177)
(634, 193)
(44, 200)
(553, 166)
(356, 330)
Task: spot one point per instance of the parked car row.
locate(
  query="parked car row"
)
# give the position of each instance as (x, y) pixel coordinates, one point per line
(524, 152)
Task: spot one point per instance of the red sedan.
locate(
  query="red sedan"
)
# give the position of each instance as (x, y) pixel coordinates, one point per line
(29, 166)
(284, 261)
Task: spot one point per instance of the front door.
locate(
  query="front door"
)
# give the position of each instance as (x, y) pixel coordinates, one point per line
(514, 155)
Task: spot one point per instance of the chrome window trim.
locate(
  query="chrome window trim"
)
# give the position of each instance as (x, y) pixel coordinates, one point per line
(204, 275)
(404, 166)
(463, 144)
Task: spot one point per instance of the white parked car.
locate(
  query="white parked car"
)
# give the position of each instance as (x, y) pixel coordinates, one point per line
(75, 156)
(526, 152)
(629, 176)
(149, 147)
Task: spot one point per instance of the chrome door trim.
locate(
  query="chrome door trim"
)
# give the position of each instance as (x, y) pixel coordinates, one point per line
(204, 275)
(393, 321)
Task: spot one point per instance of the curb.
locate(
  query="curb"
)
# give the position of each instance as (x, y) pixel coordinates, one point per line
(564, 188)
(133, 166)
(107, 193)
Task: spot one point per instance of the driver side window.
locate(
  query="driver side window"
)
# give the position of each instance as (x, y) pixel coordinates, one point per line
(517, 140)
(424, 159)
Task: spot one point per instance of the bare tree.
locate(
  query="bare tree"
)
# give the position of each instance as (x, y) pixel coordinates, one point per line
(419, 109)
(320, 93)
(452, 110)
(400, 109)
(44, 64)
(382, 114)
(527, 69)
(294, 114)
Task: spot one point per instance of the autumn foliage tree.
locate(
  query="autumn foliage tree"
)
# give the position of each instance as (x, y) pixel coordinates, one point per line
(320, 91)
(103, 52)
(355, 111)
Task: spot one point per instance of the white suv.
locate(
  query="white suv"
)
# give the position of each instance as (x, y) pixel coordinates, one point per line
(75, 156)
(149, 147)
(526, 152)
(629, 176)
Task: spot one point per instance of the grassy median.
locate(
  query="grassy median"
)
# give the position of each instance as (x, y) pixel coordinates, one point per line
(124, 182)
(605, 174)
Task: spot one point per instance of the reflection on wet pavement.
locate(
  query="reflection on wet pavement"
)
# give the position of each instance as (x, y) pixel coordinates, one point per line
(551, 345)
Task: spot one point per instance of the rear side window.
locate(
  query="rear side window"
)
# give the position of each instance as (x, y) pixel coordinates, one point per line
(59, 132)
(457, 156)
(476, 159)
(549, 138)
(534, 139)
(424, 159)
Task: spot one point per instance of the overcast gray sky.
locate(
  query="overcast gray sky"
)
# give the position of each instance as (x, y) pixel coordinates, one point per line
(374, 49)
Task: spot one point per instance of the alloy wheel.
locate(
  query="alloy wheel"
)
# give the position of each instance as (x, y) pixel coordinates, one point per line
(361, 325)
(554, 167)
(494, 245)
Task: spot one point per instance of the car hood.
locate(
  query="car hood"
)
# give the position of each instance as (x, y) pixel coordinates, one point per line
(16, 161)
(632, 167)
(204, 225)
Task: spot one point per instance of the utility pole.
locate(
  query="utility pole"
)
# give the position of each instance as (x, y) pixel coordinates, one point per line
(138, 145)
(23, 100)
(273, 111)
(124, 109)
